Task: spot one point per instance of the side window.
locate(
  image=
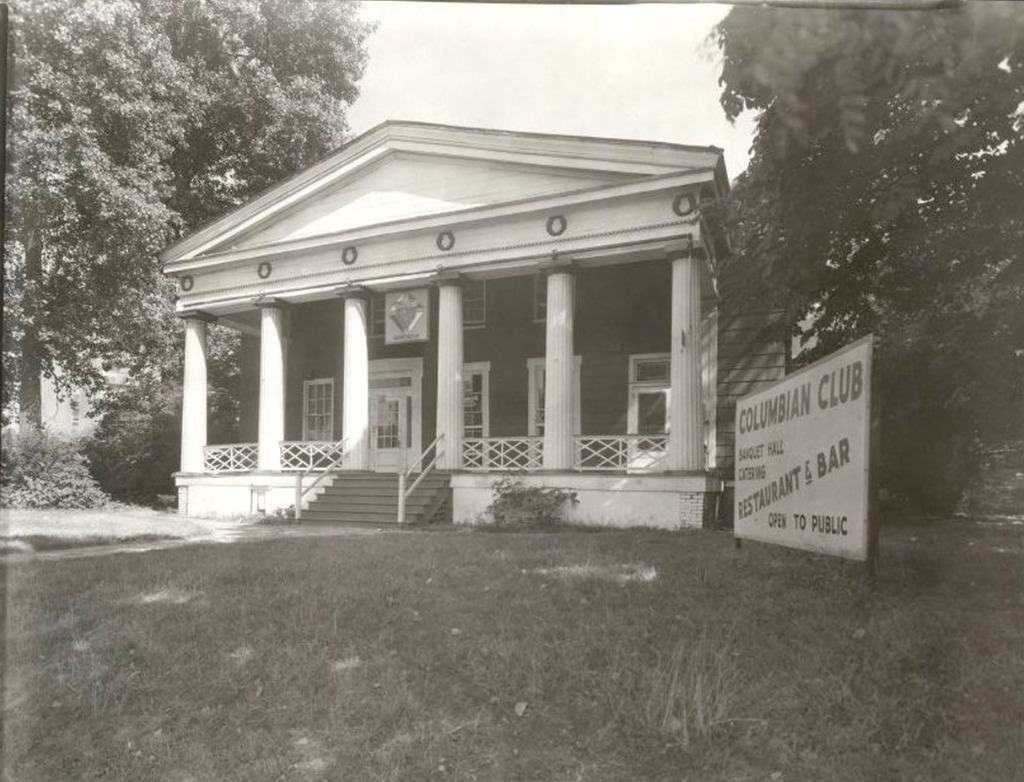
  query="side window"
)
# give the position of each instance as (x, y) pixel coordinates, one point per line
(474, 304)
(649, 389)
(318, 409)
(476, 400)
(377, 315)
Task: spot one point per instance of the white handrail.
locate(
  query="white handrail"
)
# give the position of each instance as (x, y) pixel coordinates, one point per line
(300, 492)
(403, 493)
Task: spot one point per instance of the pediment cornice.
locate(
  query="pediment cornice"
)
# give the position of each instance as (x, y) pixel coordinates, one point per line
(640, 159)
(476, 216)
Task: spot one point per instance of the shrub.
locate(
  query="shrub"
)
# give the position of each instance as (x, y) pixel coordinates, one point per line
(135, 448)
(39, 471)
(282, 515)
(517, 505)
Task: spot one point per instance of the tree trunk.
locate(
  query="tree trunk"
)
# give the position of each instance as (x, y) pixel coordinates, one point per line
(30, 391)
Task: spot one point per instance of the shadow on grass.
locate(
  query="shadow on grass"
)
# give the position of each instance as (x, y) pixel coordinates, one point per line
(28, 543)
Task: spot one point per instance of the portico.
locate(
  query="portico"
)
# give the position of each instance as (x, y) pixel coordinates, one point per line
(474, 302)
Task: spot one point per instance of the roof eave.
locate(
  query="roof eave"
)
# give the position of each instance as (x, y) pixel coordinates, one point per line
(362, 145)
(471, 214)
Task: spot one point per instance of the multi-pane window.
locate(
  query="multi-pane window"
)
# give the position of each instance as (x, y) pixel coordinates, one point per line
(387, 422)
(540, 297)
(474, 303)
(318, 409)
(403, 381)
(535, 401)
(392, 392)
(649, 390)
(475, 402)
(377, 315)
(650, 369)
(652, 416)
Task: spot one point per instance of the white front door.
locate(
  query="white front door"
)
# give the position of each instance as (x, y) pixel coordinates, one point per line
(395, 412)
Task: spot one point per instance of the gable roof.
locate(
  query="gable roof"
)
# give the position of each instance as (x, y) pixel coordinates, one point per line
(327, 194)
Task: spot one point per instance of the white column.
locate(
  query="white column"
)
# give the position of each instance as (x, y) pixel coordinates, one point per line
(271, 411)
(559, 367)
(449, 374)
(355, 413)
(193, 396)
(686, 418)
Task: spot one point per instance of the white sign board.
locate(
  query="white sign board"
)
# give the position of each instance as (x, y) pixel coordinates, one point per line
(407, 316)
(802, 457)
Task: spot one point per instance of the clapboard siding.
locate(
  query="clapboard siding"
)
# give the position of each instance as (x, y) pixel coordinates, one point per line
(736, 376)
(751, 355)
(772, 360)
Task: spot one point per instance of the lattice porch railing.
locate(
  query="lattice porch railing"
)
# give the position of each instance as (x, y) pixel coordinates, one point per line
(236, 457)
(621, 453)
(310, 454)
(502, 453)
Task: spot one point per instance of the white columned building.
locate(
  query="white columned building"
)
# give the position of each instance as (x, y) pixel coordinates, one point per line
(271, 404)
(686, 414)
(449, 373)
(355, 426)
(548, 306)
(559, 371)
(193, 394)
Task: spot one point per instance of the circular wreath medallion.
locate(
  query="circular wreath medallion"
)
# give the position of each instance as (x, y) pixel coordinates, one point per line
(349, 255)
(556, 225)
(684, 204)
(445, 240)
(187, 283)
(264, 269)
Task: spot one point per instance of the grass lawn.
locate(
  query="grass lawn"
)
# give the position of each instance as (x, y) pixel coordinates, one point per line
(119, 522)
(47, 530)
(529, 656)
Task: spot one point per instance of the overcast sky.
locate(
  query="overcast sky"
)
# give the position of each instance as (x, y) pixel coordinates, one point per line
(631, 71)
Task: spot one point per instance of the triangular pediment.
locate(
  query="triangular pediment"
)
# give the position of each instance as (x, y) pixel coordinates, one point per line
(407, 170)
(404, 186)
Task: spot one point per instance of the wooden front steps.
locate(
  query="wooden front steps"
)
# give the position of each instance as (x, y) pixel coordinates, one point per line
(372, 498)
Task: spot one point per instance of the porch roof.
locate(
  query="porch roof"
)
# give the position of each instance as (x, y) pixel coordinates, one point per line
(614, 159)
(401, 203)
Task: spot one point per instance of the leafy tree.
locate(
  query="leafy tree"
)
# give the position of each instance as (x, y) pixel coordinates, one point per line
(96, 104)
(136, 446)
(885, 194)
(130, 122)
